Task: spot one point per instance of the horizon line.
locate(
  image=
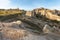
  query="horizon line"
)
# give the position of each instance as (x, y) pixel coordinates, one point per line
(31, 9)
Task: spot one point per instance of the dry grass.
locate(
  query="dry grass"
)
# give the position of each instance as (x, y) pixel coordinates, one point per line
(14, 34)
(10, 11)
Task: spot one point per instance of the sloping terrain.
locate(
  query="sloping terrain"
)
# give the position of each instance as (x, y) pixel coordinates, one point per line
(38, 24)
(18, 31)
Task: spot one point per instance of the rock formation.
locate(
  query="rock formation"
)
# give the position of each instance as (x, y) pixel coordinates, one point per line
(37, 24)
(48, 13)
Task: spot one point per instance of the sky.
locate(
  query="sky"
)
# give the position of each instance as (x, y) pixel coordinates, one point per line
(29, 4)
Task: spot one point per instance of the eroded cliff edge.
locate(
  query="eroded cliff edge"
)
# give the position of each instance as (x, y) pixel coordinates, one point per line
(20, 23)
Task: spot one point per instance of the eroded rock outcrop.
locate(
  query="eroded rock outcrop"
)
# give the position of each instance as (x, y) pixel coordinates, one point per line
(21, 32)
(38, 24)
(50, 14)
(11, 32)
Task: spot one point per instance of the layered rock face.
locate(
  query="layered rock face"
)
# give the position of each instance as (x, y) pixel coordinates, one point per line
(17, 31)
(38, 24)
(50, 14)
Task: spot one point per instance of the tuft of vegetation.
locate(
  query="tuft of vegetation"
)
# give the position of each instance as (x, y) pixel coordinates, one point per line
(4, 12)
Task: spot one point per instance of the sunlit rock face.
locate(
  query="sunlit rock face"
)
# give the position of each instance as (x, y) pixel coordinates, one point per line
(50, 14)
(29, 13)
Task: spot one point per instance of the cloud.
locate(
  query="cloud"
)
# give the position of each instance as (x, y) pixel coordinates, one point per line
(55, 7)
(4, 3)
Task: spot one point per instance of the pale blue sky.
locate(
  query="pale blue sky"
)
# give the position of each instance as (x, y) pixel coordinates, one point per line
(30, 4)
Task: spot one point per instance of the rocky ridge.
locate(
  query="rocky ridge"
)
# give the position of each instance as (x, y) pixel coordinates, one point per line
(22, 24)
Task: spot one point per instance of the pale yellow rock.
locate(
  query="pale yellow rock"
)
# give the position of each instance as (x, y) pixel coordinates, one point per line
(48, 14)
(17, 22)
(46, 29)
(29, 13)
